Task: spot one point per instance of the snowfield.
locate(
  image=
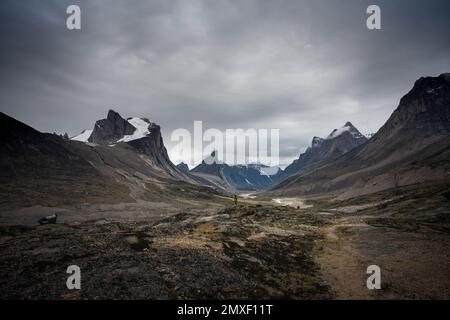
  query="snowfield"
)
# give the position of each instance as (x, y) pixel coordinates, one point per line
(83, 136)
(141, 131)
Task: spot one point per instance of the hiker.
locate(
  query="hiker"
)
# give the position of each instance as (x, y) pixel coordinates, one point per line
(48, 219)
(235, 200)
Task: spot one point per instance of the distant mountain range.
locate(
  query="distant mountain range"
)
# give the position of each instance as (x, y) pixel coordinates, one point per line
(249, 177)
(122, 160)
(257, 177)
(139, 133)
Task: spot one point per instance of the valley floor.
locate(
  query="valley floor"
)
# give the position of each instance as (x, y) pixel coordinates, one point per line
(258, 249)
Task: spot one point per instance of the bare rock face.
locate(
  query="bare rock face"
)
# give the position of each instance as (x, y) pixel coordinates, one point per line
(143, 136)
(426, 108)
(422, 117)
(111, 129)
(152, 146)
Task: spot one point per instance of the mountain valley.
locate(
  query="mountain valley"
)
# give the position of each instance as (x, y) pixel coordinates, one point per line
(141, 227)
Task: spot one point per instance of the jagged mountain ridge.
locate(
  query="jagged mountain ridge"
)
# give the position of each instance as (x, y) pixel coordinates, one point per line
(141, 134)
(411, 147)
(183, 167)
(145, 138)
(40, 168)
(250, 177)
(338, 142)
(37, 166)
(111, 130)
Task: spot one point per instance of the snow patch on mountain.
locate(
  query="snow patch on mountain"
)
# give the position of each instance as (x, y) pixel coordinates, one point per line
(348, 127)
(141, 126)
(337, 132)
(269, 171)
(263, 169)
(83, 136)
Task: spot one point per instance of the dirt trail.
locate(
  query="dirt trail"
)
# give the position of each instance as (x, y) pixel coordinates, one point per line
(340, 263)
(412, 264)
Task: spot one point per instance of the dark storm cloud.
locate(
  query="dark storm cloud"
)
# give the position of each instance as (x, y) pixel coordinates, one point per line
(304, 67)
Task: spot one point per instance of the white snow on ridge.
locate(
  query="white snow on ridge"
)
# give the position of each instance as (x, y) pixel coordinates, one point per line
(141, 130)
(337, 132)
(83, 136)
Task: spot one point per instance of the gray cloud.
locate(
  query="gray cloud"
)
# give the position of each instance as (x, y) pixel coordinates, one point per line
(304, 67)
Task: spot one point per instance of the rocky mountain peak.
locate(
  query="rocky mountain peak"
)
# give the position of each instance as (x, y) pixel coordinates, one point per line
(348, 128)
(428, 88)
(113, 115)
(111, 129)
(412, 147)
(338, 142)
(423, 112)
(316, 142)
(139, 133)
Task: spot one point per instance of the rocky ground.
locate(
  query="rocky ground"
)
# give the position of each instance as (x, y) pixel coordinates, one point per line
(257, 249)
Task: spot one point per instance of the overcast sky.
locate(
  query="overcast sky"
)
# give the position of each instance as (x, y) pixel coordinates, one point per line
(304, 67)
